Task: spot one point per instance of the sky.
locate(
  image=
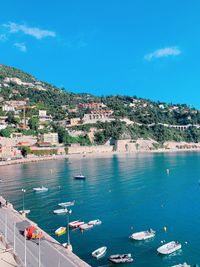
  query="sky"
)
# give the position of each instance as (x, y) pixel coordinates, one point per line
(150, 49)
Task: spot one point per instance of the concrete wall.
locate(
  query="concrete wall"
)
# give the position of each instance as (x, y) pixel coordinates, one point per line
(132, 146)
(90, 149)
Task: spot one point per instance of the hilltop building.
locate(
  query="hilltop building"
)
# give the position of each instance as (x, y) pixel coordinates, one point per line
(98, 115)
(43, 117)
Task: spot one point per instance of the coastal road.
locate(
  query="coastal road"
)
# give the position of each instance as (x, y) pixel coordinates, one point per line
(50, 252)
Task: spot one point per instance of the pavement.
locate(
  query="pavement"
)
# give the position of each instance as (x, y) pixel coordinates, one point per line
(32, 253)
(6, 257)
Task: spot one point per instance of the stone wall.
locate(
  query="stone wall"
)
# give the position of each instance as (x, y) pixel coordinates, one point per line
(90, 149)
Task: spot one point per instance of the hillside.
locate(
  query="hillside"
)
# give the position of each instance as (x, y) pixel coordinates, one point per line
(132, 117)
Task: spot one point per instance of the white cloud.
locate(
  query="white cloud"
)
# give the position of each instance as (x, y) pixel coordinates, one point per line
(163, 52)
(3, 38)
(35, 32)
(21, 46)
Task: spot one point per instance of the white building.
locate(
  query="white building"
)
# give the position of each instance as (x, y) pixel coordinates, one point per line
(51, 138)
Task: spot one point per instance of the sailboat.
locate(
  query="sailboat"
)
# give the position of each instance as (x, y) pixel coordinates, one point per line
(80, 176)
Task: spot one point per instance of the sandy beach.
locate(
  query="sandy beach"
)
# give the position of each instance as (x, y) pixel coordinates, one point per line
(99, 154)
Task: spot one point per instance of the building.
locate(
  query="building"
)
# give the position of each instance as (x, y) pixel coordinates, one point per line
(51, 138)
(91, 105)
(8, 150)
(13, 105)
(102, 115)
(43, 117)
(73, 122)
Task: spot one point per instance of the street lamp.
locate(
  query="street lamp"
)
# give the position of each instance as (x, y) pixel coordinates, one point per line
(24, 191)
(23, 211)
(69, 246)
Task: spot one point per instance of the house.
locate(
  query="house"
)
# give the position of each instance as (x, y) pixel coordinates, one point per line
(98, 115)
(91, 105)
(8, 150)
(14, 105)
(73, 122)
(51, 138)
(43, 117)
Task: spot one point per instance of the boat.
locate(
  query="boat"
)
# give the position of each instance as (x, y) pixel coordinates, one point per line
(143, 235)
(100, 252)
(67, 204)
(95, 222)
(79, 177)
(169, 248)
(85, 226)
(60, 211)
(60, 231)
(121, 258)
(24, 211)
(40, 189)
(76, 224)
(182, 265)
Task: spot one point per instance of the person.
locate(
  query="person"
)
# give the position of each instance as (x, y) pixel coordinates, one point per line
(0, 204)
(6, 203)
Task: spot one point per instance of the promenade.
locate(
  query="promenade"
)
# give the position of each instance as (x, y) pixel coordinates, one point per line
(32, 253)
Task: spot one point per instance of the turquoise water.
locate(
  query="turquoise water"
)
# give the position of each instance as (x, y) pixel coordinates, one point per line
(128, 193)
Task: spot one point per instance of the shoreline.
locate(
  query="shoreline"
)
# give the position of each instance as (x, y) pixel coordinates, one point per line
(98, 154)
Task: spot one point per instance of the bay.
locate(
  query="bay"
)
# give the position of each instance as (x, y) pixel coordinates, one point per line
(128, 193)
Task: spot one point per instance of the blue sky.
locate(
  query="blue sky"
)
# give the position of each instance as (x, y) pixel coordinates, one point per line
(133, 47)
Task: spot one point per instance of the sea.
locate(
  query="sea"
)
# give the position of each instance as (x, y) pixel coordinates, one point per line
(128, 193)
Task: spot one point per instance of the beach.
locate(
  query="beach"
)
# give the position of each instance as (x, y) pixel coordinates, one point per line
(92, 154)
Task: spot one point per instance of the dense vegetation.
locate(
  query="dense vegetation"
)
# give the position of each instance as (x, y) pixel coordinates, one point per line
(147, 115)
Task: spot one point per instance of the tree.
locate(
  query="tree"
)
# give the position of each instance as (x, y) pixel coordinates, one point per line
(25, 151)
(33, 123)
(5, 132)
(11, 119)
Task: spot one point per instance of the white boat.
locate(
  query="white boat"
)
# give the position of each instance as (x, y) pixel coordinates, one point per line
(143, 235)
(182, 265)
(100, 252)
(67, 204)
(60, 211)
(40, 189)
(76, 224)
(121, 258)
(79, 177)
(24, 211)
(95, 222)
(85, 226)
(169, 248)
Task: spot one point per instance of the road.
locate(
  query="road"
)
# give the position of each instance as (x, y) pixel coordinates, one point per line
(52, 254)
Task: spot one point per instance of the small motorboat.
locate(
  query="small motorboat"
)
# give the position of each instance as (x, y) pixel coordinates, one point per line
(182, 265)
(40, 189)
(95, 222)
(79, 177)
(76, 224)
(67, 204)
(169, 248)
(24, 211)
(121, 258)
(60, 231)
(100, 252)
(86, 226)
(143, 235)
(60, 211)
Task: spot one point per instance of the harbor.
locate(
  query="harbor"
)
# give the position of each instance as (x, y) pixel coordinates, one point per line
(129, 194)
(42, 252)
